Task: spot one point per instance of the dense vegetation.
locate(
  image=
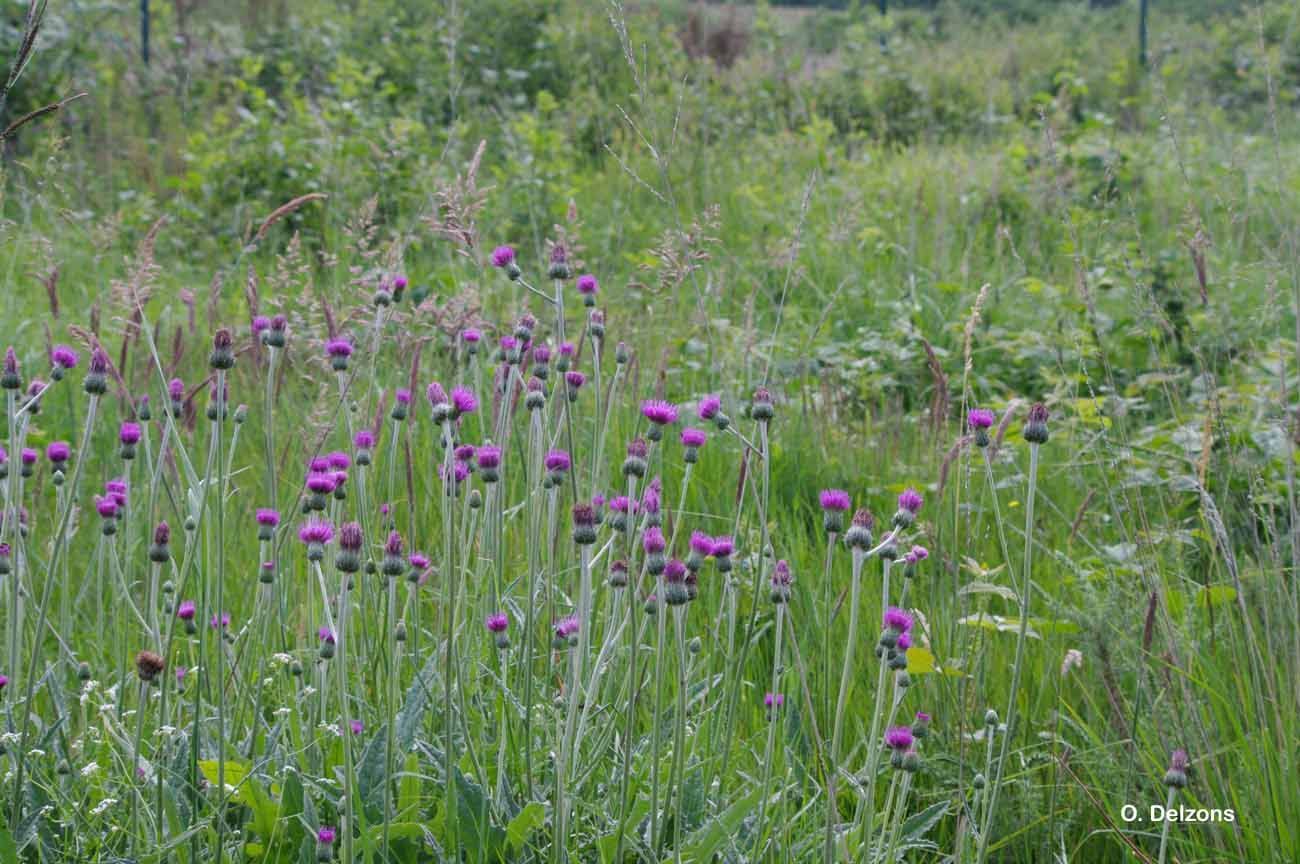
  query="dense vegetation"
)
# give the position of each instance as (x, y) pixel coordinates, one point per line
(878, 223)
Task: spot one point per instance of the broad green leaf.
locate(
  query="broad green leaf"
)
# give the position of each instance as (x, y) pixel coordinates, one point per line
(529, 819)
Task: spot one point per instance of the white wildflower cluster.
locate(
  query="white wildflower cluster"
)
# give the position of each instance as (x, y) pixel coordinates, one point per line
(102, 806)
(90, 769)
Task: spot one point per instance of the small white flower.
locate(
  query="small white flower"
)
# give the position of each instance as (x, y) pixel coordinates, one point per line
(36, 753)
(283, 712)
(102, 806)
(90, 769)
(9, 738)
(282, 659)
(308, 690)
(166, 731)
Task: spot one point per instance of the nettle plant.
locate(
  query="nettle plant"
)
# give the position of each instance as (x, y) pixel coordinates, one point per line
(481, 618)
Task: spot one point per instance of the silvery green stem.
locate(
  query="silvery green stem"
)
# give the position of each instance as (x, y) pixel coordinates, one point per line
(1021, 638)
(661, 623)
(346, 821)
(679, 739)
(1164, 829)
(874, 743)
(217, 425)
(772, 722)
(841, 703)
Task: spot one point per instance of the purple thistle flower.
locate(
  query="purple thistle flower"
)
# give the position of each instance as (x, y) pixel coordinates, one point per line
(693, 439)
(773, 700)
(106, 507)
(463, 453)
(261, 324)
(223, 622)
(316, 532)
(568, 349)
(574, 379)
(708, 407)
(403, 396)
(497, 622)
(357, 726)
(11, 377)
(28, 456)
(567, 628)
(350, 537)
(338, 348)
(652, 540)
(621, 504)
(471, 335)
(980, 418)
(129, 434)
(419, 561)
(897, 620)
(541, 354)
(176, 390)
(58, 452)
(325, 836)
(393, 546)
(321, 484)
(701, 544)
(98, 362)
(436, 395)
(587, 285)
(267, 517)
(910, 500)
(186, 610)
(836, 500)
(489, 456)
(1035, 431)
(903, 643)
(364, 440)
(557, 461)
(503, 256)
(463, 400)
(64, 357)
(723, 547)
(659, 412)
(338, 460)
(899, 738)
(326, 635)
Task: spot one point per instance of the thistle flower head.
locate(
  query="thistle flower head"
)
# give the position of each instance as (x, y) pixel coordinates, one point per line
(106, 507)
(393, 546)
(782, 579)
(708, 407)
(916, 554)
(834, 499)
(652, 540)
(176, 390)
(1035, 430)
(773, 700)
(503, 256)
(186, 610)
(58, 452)
(859, 536)
(129, 433)
(260, 325)
(723, 546)
(148, 665)
(761, 408)
(267, 518)
(436, 395)
(701, 544)
(364, 439)
(338, 348)
(64, 357)
(28, 456)
(566, 629)
(316, 532)
(1176, 776)
(574, 379)
(471, 335)
(587, 285)
(674, 572)
(325, 835)
(497, 622)
(220, 622)
(899, 738)
(557, 461)
(659, 412)
(326, 635)
(637, 448)
(350, 537)
(489, 456)
(463, 400)
(694, 438)
(11, 376)
(559, 263)
(980, 418)
(910, 500)
(896, 620)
